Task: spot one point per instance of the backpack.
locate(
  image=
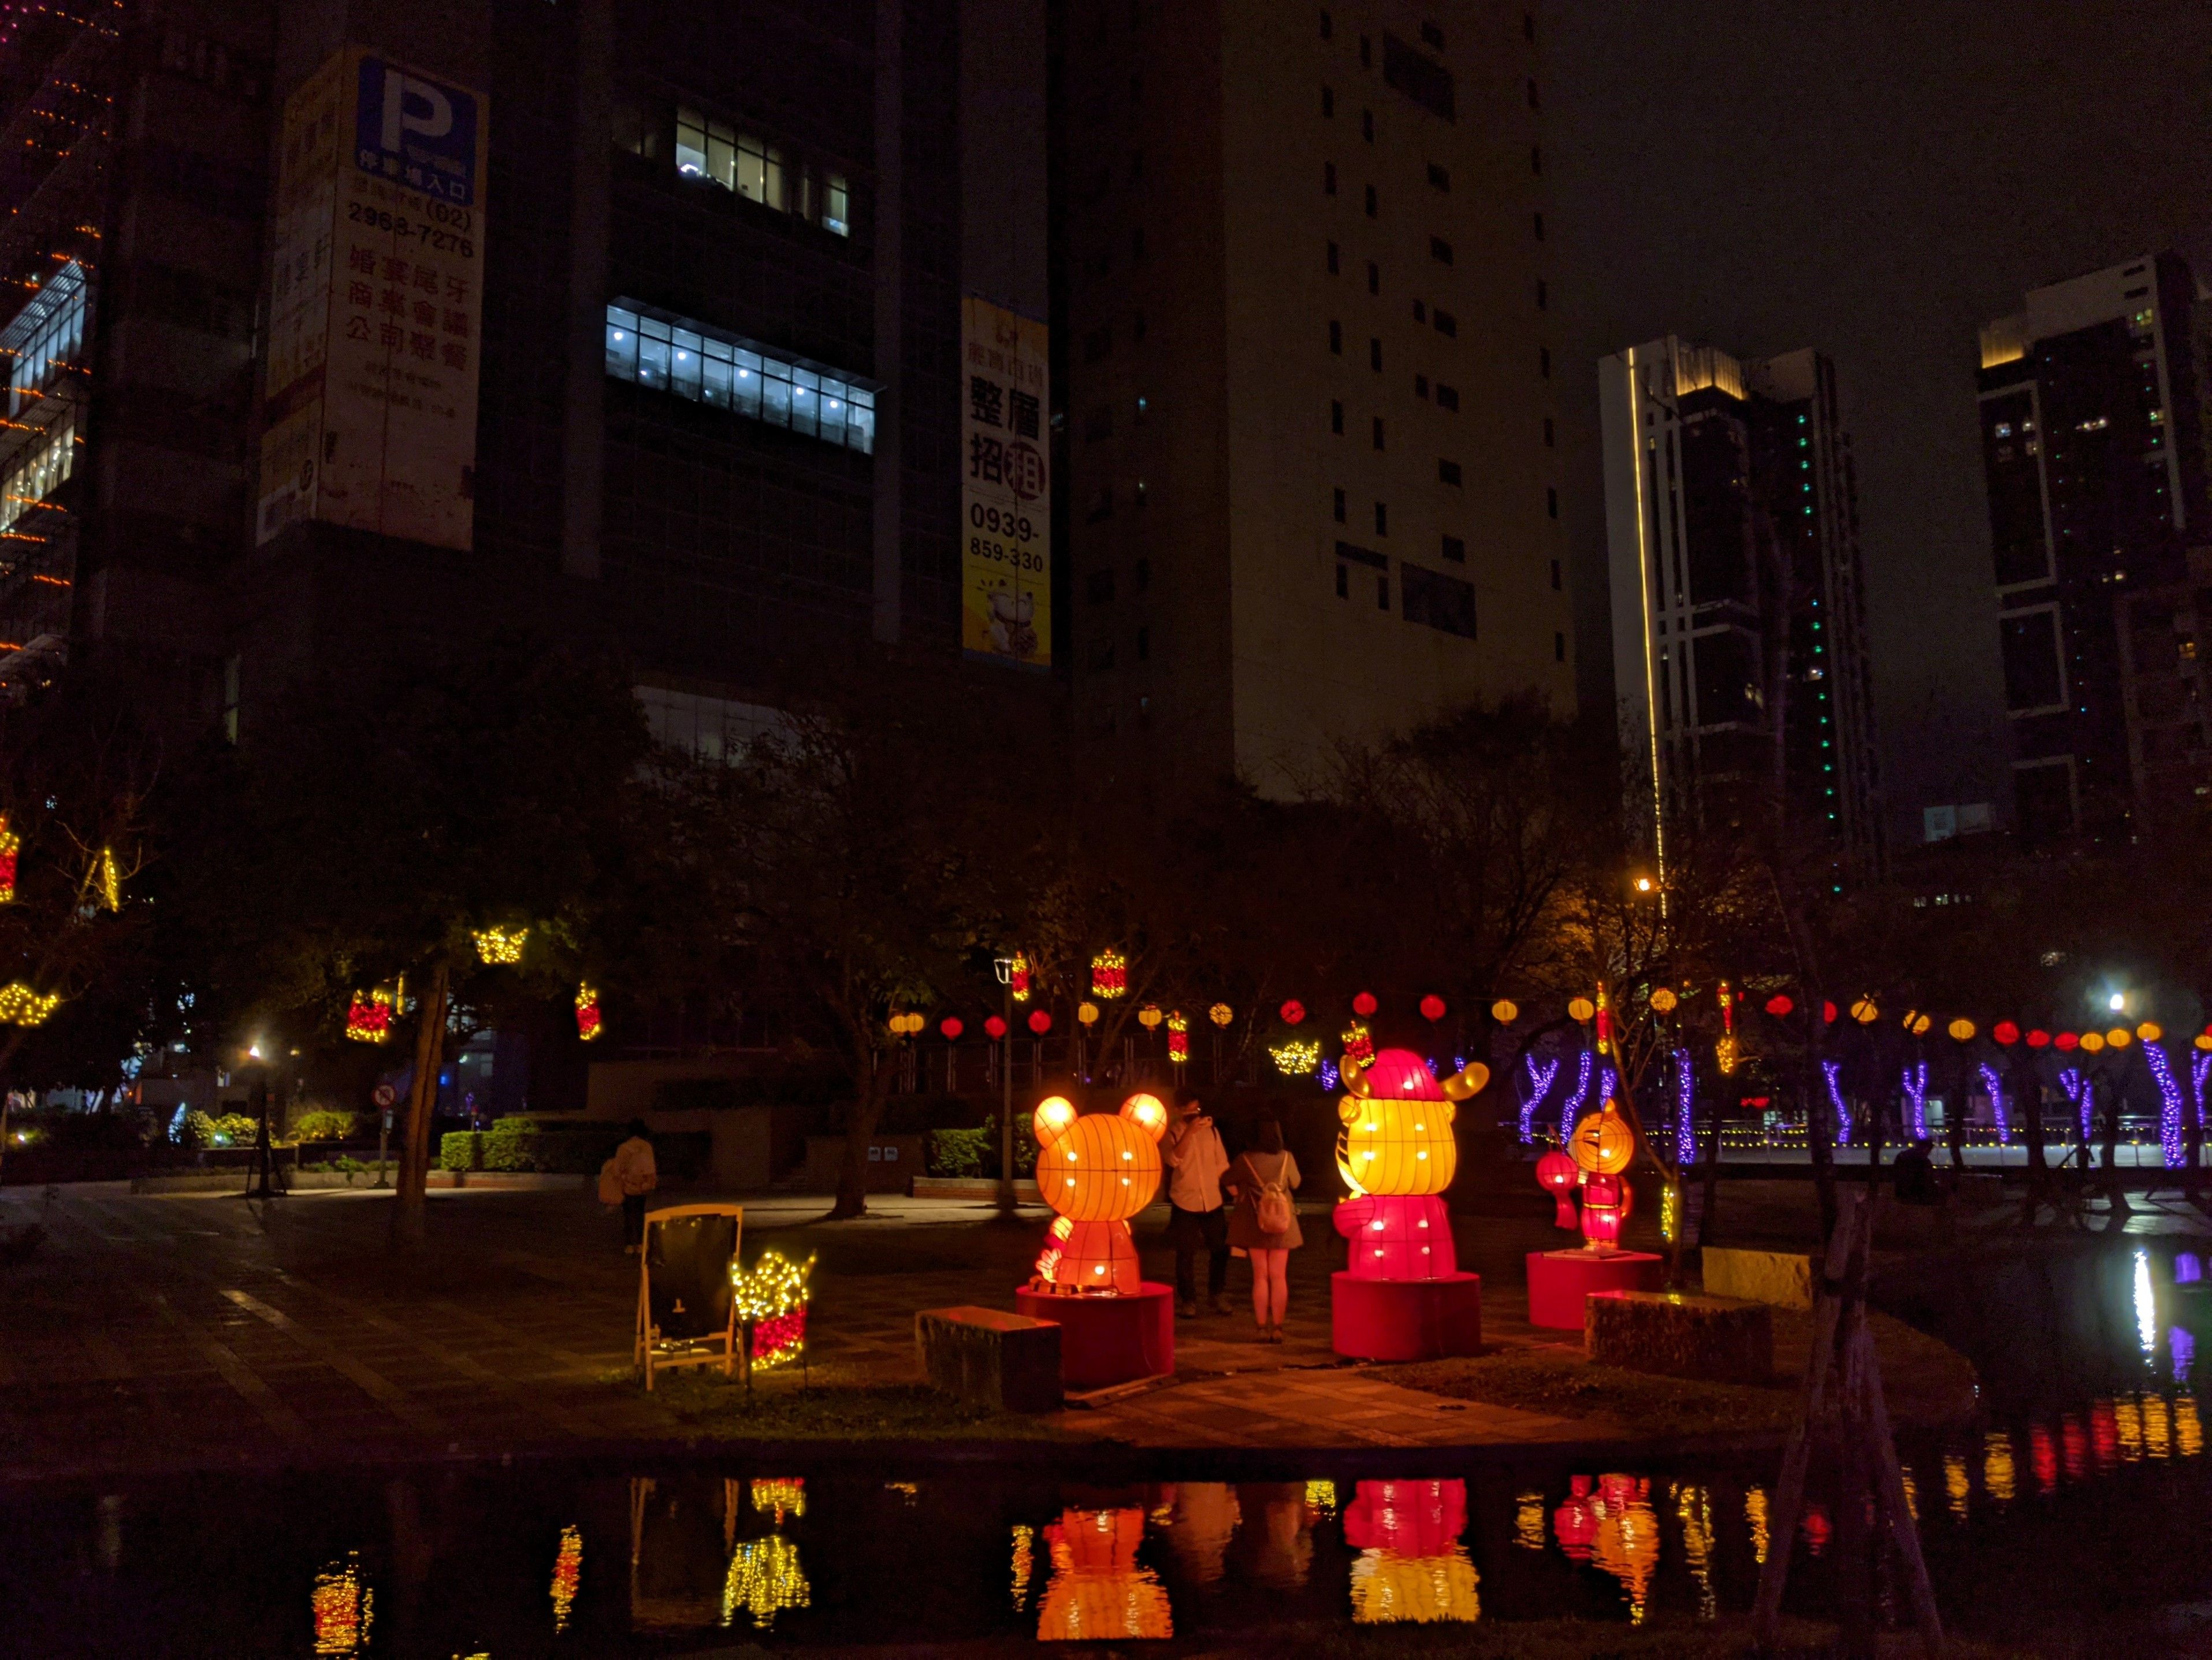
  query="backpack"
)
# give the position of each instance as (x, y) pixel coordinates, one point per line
(610, 1187)
(1273, 1205)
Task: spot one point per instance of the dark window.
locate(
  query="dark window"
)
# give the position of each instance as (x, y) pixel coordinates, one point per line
(1539, 227)
(1443, 603)
(1328, 178)
(1144, 645)
(1446, 323)
(1544, 361)
(1336, 336)
(1420, 311)
(1100, 586)
(1432, 37)
(1535, 158)
(1327, 102)
(1422, 79)
(1439, 177)
(1366, 53)
(1559, 649)
(1098, 343)
(1551, 501)
(1533, 104)
(1543, 294)
(1374, 277)
(1555, 576)
(1099, 423)
(1454, 549)
(1381, 518)
(1332, 259)
(1359, 555)
(1378, 432)
(1343, 583)
(1548, 438)
(1447, 471)
(1336, 418)
(1375, 356)
(1447, 397)
(1144, 574)
(2032, 673)
(1374, 203)
(1440, 251)
(1420, 385)
(1382, 593)
(1339, 506)
(1328, 27)
(1367, 125)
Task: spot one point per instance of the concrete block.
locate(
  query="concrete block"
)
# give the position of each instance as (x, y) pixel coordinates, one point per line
(1678, 1334)
(990, 1357)
(1780, 1277)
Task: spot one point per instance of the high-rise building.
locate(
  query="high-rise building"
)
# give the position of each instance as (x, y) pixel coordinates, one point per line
(2094, 449)
(1739, 612)
(338, 327)
(1303, 297)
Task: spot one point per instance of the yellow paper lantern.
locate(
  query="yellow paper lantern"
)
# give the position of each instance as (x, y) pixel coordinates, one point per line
(2093, 1042)
(2119, 1037)
(1220, 1014)
(1149, 1017)
(1962, 1029)
(1397, 1130)
(1920, 1025)
(1602, 1143)
(1864, 1011)
(1087, 1012)
(2204, 1041)
(1664, 1000)
(1581, 1009)
(2150, 1031)
(1505, 1010)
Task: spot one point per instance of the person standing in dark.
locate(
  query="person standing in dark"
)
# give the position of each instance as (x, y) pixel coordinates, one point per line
(1197, 1221)
(638, 1175)
(1914, 1174)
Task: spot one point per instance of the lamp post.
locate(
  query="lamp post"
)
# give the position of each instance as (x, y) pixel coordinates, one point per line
(1003, 967)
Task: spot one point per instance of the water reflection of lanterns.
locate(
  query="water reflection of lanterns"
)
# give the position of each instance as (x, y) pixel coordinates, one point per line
(1755, 1517)
(1816, 1528)
(764, 1579)
(1626, 1545)
(567, 1575)
(2043, 1457)
(344, 1609)
(1528, 1520)
(1412, 1565)
(1957, 1490)
(1024, 1564)
(1694, 1508)
(2074, 1444)
(2188, 1430)
(1997, 1469)
(1098, 1591)
(780, 1497)
(1575, 1522)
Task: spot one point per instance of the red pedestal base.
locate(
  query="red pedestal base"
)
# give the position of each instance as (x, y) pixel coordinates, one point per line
(1560, 1280)
(1105, 1340)
(1405, 1319)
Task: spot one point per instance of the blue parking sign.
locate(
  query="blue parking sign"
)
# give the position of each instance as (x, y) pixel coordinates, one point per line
(420, 134)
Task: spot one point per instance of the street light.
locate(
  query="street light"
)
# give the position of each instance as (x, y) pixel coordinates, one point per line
(1643, 884)
(2117, 1001)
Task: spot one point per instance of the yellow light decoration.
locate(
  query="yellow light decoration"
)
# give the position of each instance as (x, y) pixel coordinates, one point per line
(2150, 1031)
(1098, 1591)
(22, 1007)
(1109, 976)
(567, 1575)
(1962, 1029)
(1725, 1054)
(1096, 1170)
(2093, 1042)
(1387, 1588)
(1602, 1143)
(771, 1304)
(2119, 1037)
(368, 1017)
(2204, 1041)
(1664, 1000)
(345, 1609)
(765, 1578)
(781, 1496)
(1581, 1009)
(11, 848)
(1864, 1011)
(1178, 1037)
(1395, 1141)
(501, 947)
(1150, 1017)
(1221, 1014)
(1087, 1012)
(589, 1022)
(1670, 1211)
(108, 879)
(1296, 1060)
(1755, 1513)
(1018, 978)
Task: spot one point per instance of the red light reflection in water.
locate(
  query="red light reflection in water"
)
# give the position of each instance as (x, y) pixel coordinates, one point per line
(2043, 1456)
(1815, 1526)
(2104, 1433)
(2076, 1443)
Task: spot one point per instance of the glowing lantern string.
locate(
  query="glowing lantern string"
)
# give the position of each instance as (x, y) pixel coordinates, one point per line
(11, 846)
(1570, 1111)
(1916, 1099)
(1018, 978)
(368, 1017)
(500, 947)
(1996, 1088)
(1832, 1071)
(1540, 1085)
(22, 1007)
(1109, 976)
(2169, 1111)
(1686, 1134)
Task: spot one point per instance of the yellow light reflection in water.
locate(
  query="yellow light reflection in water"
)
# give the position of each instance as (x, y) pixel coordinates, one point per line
(1997, 1471)
(1098, 1591)
(1956, 1486)
(1694, 1507)
(2127, 1418)
(765, 1578)
(568, 1574)
(1024, 1564)
(1754, 1512)
(1528, 1522)
(2188, 1432)
(2158, 1438)
(909, 1491)
(1388, 1587)
(2146, 1300)
(1321, 1498)
(1911, 1492)
(1627, 1542)
(780, 1497)
(344, 1609)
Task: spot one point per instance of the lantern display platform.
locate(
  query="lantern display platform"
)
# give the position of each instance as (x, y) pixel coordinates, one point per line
(1105, 1341)
(1560, 1280)
(1405, 1319)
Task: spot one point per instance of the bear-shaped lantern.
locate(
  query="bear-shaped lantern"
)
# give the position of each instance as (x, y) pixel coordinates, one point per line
(1097, 1171)
(1396, 1154)
(1601, 1146)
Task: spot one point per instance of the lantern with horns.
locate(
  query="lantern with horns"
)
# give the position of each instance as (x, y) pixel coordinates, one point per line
(1097, 1171)
(1396, 1153)
(1601, 1146)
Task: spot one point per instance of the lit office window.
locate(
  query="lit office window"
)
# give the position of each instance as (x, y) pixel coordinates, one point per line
(760, 173)
(837, 205)
(47, 336)
(736, 375)
(710, 150)
(42, 468)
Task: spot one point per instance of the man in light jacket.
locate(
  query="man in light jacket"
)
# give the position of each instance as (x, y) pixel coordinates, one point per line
(634, 1168)
(1196, 1162)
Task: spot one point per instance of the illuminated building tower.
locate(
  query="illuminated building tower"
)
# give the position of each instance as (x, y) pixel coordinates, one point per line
(1739, 617)
(1302, 293)
(2093, 446)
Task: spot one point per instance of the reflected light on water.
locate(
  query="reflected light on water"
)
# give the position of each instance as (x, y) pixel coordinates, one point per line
(2043, 1458)
(1412, 1565)
(1956, 1488)
(1754, 1514)
(1997, 1471)
(1320, 1499)
(1528, 1520)
(1098, 1591)
(1911, 1492)
(1693, 1507)
(2188, 1432)
(1627, 1542)
(780, 1498)
(764, 1579)
(344, 1609)
(2158, 1439)
(2076, 1442)
(2181, 1347)
(2127, 1420)
(2146, 1300)
(1024, 1564)
(568, 1574)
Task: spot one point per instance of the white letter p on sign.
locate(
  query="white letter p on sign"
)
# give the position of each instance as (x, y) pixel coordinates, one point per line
(415, 106)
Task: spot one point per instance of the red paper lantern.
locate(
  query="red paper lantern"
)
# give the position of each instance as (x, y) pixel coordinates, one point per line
(995, 1027)
(1828, 1014)
(951, 1027)
(1364, 1004)
(2038, 1039)
(1433, 1008)
(1561, 1175)
(2067, 1040)
(1779, 1005)
(2005, 1033)
(1040, 1022)
(1292, 1013)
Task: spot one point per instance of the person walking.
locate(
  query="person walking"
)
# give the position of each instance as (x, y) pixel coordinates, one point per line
(1266, 1224)
(1197, 1218)
(637, 1175)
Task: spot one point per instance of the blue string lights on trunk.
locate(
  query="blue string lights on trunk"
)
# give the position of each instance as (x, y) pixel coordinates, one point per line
(1832, 1071)
(2169, 1105)
(1685, 1129)
(1570, 1114)
(1991, 1083)
(1916, 1099)
(1541, 1079)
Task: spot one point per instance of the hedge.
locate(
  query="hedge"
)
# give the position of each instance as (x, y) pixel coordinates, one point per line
(567, 1149)
(975, 1152)
(327, 1124)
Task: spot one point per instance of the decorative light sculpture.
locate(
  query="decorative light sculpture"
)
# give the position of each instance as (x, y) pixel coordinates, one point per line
(1541, 1079)
(1150, 1017)
(1109, 976)
(1358, 1045)
(1295, 1059)
(1178, 1037)
(1831, 1072)
(1396, 1153)
(589, 1025)
(1018, 978)
(1995, 1087)
(500, 947)
(11, 848)
(771, 1302)
(1096, 1170)
(1916, 1099)
(22, 1007)
(368, 1017)
(1601, 1146)
(1559, 1176)
(2171, 1148)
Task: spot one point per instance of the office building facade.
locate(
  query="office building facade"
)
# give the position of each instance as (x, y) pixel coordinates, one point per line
(2094, 453)
(1301, 300)
(1739, 612)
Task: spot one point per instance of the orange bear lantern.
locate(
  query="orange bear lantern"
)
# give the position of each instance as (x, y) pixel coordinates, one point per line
(1097, 1171)
(1601, 1146)
(1396, 1153)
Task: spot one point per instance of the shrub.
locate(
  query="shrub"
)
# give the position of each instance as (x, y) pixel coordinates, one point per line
(975, 1153)
(461, 1150)
(326, 1124)
(231, 1130)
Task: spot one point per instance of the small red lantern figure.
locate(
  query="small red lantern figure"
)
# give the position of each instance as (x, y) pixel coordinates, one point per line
(951, 1027)
(1561, 1175)
(1606, 1204)
(1433, 1008)
(1364, 1004)
(994, 1028)
(1293, 1012)
(1040, 1022)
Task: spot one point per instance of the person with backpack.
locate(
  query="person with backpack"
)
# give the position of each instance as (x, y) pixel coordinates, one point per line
(1266, 1224)
(628, 1179)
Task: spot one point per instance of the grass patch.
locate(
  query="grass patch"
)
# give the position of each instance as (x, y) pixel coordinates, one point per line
(1572, 1639)
(1562, 1385)
(779, 1409)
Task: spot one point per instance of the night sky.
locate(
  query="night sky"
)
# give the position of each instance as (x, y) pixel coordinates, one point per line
(1877, 180)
